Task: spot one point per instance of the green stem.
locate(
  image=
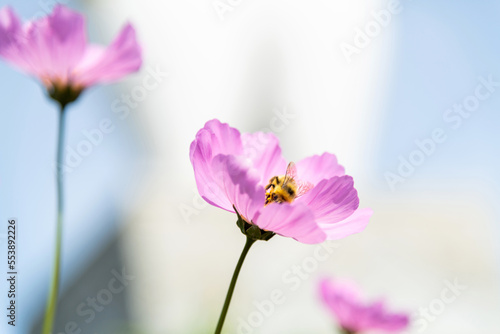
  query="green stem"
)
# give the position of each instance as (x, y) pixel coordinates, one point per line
(222, 317)
(48, 322)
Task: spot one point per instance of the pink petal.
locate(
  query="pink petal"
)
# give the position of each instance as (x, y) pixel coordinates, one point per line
(345, 289)
(122, 57)
(319, 167)
(93, 54)
(376, 317)
(391, 322)
(213, 139)
(10, 32)
(224, 139)
(332, 200)
(68, 37)
(355, 223)
(56, 43)
(13, 41)
(344, 301)
(290, 220)
(264, 152)
(235, 183)
(201, 159)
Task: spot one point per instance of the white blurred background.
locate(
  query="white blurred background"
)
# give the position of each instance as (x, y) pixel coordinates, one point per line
(246, 63)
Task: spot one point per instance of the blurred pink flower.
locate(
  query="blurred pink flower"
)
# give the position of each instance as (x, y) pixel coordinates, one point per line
(55, 50)
(345, 302)
(233, 169)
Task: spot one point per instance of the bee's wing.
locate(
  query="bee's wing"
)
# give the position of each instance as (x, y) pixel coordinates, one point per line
(291, 172)
(303, 187)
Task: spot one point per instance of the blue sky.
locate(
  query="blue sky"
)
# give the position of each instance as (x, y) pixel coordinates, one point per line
(441, 50)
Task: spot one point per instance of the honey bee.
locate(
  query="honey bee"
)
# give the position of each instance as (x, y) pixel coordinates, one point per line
(286, 188)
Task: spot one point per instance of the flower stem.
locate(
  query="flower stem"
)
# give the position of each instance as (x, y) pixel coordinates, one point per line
(222, 317)
(50, 313)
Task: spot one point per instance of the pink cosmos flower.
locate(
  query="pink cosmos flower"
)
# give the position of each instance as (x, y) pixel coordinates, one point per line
(55, 50)
(344, 300)
(232, 171)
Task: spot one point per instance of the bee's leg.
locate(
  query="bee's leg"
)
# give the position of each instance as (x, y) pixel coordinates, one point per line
(272, 182)
(268, 199)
